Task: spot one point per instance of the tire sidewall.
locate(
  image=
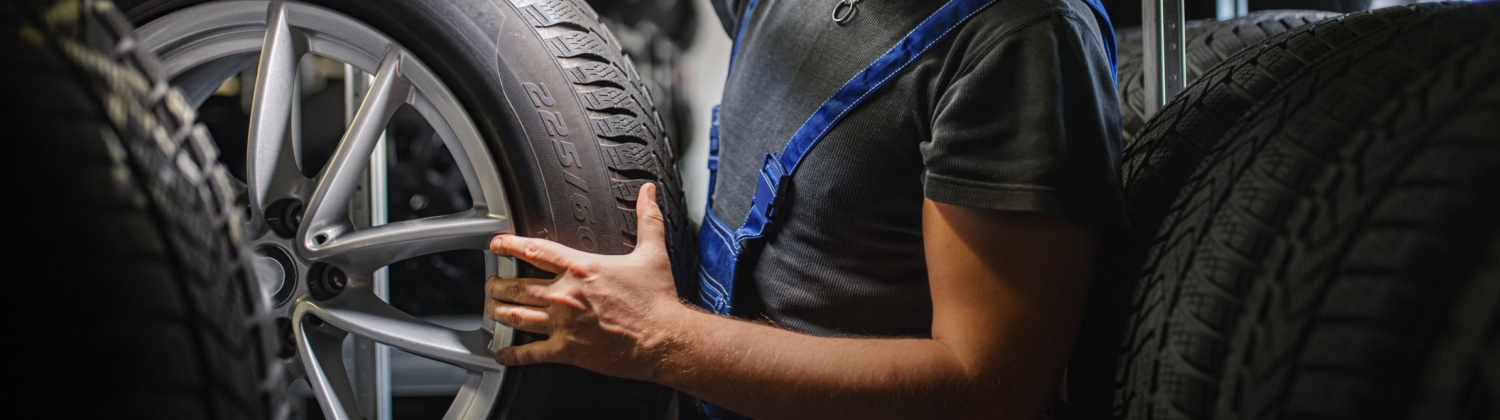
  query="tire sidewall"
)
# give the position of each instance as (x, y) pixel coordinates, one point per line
(497, 66)
(486, 54)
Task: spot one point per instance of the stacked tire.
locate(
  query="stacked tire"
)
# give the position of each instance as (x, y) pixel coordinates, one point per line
(1313, 233)
(139, 303)
(1208, 43)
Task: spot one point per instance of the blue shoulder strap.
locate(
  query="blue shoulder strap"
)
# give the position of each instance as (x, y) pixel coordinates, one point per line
(773, 178)
(1107, 32)
(777, 167)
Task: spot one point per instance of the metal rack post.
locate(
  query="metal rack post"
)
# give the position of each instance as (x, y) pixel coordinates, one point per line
(371, 361)
(1229, 9)
(1165, 69)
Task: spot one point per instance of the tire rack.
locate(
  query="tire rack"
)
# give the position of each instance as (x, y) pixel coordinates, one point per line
(1165, 61)
(371, 361)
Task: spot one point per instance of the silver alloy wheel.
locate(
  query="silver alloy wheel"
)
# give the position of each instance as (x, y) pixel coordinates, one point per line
(204, 45)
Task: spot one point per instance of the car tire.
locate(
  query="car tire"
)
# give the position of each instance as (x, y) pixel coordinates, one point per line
(1208, 42)
(135, 233)
(1113, 373)
(574, 132)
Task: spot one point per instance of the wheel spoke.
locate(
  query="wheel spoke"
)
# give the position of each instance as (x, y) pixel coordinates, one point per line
(328, 211)
(476, 398)
(205, 44)
(321, 351)
(273, 156)
(367, 249)
(360, 313)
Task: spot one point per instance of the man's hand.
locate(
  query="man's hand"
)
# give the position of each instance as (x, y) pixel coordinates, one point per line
(606, 313)
(1007, 287)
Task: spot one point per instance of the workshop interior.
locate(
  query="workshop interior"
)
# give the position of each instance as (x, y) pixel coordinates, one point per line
(1312, 187)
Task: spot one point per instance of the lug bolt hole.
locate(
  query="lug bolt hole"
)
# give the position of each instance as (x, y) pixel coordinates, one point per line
(288, 345)
(325, 281)
(284, 216)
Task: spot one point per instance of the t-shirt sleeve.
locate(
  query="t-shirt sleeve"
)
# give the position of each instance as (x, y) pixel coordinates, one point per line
(1033, 124)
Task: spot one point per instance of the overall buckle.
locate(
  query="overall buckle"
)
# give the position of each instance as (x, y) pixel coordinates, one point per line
(771, 184)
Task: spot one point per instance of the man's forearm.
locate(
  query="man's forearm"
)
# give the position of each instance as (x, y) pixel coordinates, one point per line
(766, 372)
(1007, 293)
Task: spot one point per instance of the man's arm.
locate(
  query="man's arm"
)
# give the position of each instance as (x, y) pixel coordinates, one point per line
(1007, 288)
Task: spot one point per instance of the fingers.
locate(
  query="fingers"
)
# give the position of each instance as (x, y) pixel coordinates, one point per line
(651, 229)
(547, 351)
(524, 318)
(542, 253)
(519, 291)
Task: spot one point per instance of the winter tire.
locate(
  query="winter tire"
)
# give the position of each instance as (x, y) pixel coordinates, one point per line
(1316, 232)
(1208, 42)
(135, 229)
(550, 127)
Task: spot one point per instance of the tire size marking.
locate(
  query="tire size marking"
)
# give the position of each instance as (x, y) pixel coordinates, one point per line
(583, 212)
(581, 208)
(567, 156)
(554, 124)
(541, 97)
(576, 181)
(586, 238)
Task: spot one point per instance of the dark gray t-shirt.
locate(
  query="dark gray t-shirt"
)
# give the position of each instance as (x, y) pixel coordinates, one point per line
(1014, 110)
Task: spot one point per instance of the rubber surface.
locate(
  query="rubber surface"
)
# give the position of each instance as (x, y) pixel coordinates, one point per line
(574, 130)
(134, 231)
(1287, 240)
(1148, 257)
(1207, 43)
(1327, 269)
(1340, 6)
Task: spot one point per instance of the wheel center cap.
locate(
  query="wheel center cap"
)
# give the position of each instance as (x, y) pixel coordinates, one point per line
(275, 273)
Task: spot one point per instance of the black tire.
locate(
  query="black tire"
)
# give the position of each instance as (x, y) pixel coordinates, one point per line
(1339, 6)
(497, 57)
(1130, 42)
(1176, 140)
(655, 34)
(1351, 232)
(1156, 170)
(161, 319)
(1208, 42)
(1313, 259)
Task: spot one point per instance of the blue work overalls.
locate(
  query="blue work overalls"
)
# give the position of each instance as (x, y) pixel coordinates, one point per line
(719, 248)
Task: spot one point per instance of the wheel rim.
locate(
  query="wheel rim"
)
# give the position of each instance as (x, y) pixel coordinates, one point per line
(317, 267)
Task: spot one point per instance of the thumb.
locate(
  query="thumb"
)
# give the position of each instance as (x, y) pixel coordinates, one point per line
(651, 229)
(545, 351)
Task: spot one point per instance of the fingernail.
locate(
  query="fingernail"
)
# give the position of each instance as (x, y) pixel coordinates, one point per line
(495, 245)
(504, 357)
(652, 189)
